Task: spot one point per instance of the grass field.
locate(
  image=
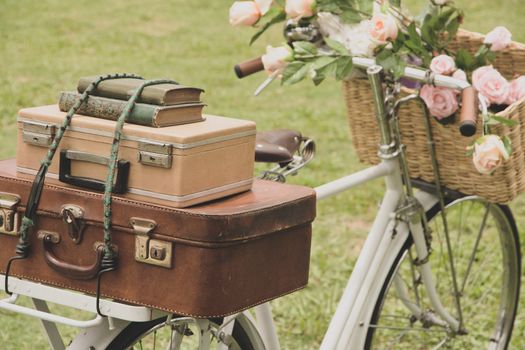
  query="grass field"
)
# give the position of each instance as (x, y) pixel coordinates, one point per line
(45, 46)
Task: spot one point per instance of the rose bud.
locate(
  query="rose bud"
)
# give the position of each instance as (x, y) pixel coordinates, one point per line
(244, 13)
(299, 8)
(498, 39)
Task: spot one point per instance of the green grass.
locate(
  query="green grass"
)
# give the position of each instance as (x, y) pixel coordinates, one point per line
(46, 45)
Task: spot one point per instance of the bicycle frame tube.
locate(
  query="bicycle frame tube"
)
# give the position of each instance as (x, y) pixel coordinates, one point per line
(360, 281)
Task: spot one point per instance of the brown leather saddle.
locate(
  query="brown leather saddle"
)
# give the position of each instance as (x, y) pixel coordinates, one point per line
(277, 146)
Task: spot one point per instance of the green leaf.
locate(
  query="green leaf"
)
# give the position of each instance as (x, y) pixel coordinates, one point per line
(465, 60)
(396, 3)
(323, 62)
(508, 144)
(351, 17)
(295, 72)
(503, 120)
(392, 62)
(274, 16)
(323, 67)
(344, 67)
(365, 6)
(336, 46)
(304, 48)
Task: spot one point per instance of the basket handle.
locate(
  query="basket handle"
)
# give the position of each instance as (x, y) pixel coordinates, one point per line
(469, 112)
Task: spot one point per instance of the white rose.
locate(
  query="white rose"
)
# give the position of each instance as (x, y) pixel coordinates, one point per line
(276, 58)
(489, 154)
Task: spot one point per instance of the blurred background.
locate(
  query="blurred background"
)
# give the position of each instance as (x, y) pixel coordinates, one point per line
(45, 46)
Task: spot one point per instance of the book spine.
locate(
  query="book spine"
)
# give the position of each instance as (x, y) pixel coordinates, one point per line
(105, 108)
(111, 89)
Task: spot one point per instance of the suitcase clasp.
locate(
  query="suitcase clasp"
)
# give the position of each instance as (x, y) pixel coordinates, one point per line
(73, 216)
(39, 134)
(149, 250)
(8, 214)
(155, 153)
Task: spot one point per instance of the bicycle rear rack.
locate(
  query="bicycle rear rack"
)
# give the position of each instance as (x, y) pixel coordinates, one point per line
(43, 294)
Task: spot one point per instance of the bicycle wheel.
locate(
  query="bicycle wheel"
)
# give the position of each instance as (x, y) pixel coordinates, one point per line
(183, 333)
(486, 254)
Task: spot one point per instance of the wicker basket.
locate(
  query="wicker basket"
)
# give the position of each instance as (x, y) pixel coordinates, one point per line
(456, 169)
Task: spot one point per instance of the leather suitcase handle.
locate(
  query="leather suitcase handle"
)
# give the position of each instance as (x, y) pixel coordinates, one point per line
(77, 272)
(66, 156)
(469, 112)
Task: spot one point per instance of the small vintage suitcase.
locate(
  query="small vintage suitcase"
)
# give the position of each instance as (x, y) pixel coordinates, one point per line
(209, 260)
(177, 166)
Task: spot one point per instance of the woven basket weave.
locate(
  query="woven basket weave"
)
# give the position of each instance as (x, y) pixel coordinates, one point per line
(456, 169)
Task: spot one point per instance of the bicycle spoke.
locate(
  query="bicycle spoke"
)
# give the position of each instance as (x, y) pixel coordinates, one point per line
(476, 244)
(487, 281)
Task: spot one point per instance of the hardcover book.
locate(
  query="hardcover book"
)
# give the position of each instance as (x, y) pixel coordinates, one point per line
(142, 113)
(162, 94)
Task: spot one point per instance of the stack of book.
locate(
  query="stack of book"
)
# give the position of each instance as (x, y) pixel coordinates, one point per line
(158, 105)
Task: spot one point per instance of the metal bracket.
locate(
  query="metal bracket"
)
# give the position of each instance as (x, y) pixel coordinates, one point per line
(9, 217)
(149, 250)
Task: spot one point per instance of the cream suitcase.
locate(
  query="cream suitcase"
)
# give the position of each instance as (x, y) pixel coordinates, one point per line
(176, 166)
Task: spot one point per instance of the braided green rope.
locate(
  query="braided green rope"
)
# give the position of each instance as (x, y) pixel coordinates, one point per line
(113, 160)
(34, 197)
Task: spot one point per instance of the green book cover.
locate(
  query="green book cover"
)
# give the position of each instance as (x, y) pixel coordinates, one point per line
(142, 113)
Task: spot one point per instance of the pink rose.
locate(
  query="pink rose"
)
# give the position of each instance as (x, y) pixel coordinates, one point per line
(244, 13)
(383, 28)
(460, 75)
(489, 153)
(491, 84)
(441, 102)
(299, 8)
(276, 58)
(517, 90)
(499, 38)
(443, 64)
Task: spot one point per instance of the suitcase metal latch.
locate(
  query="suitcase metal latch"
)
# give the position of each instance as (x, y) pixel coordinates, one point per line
(73, 216)
(155, 153)
(149, 250)
(39, 134)
(8, 214)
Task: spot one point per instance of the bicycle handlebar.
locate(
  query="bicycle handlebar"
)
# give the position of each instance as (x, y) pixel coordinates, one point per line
(469, 111)
(249, 67)
(469, 98)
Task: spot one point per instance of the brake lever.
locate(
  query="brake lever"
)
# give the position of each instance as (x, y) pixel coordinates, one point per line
(266, 83)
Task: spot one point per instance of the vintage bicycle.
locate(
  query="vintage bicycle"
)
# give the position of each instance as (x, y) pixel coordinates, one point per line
(422, 276)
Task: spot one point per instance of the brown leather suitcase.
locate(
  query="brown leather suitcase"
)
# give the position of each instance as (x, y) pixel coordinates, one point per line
(209, 260)
(178, 166)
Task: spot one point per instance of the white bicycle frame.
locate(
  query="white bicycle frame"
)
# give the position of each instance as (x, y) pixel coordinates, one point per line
(348, 327)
